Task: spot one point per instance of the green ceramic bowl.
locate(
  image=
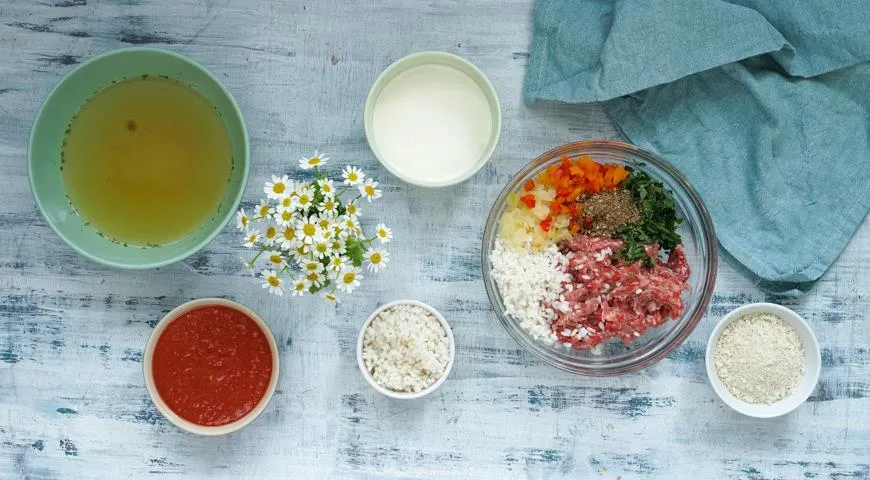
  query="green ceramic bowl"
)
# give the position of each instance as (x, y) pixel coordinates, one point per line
(62, 104)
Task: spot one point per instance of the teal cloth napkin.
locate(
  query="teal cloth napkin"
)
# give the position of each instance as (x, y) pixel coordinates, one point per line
(765, 106)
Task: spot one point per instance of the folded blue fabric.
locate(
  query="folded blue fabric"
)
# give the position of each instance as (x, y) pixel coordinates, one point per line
(765, 106)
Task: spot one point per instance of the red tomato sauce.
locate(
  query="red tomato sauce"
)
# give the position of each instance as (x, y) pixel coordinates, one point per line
(212, 365)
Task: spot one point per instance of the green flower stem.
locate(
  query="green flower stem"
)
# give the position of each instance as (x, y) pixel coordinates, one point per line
(258, 254)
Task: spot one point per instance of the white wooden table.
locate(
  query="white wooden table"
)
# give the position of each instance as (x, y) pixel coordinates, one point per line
(72, 401)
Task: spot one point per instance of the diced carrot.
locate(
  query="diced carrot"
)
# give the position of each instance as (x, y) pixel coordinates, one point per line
(555, 207)
(529, 185)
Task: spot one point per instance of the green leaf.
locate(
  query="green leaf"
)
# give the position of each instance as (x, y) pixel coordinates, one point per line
(658, 222)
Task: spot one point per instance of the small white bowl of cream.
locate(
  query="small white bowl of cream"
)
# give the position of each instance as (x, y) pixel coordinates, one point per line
(763, 360)
(432, 119)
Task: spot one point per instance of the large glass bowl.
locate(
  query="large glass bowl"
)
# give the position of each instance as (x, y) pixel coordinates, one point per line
(699, 242)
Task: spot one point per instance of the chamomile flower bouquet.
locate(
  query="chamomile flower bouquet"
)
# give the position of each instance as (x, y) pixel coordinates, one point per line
(306, 236)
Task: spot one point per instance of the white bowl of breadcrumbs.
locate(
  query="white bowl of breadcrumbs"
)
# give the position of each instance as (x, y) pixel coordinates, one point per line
(763, 360)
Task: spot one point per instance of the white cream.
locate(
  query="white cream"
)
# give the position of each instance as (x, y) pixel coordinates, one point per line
(432, 123)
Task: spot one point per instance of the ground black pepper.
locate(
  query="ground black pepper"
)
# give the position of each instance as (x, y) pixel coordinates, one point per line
(608, 211)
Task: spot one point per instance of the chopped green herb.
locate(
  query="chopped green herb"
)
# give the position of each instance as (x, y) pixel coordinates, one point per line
(658, 224)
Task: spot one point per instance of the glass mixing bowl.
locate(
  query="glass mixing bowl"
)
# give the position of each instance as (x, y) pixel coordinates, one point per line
(699, 242)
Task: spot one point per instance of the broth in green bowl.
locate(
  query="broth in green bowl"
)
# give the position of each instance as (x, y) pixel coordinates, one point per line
(138, 158)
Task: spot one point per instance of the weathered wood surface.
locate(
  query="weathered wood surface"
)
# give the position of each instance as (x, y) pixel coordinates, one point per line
(72, 401)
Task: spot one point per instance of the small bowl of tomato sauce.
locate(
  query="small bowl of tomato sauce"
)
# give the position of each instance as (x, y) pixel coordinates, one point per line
(211, 366)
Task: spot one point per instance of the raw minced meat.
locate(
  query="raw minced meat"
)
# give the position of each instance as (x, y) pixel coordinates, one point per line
(607, 298)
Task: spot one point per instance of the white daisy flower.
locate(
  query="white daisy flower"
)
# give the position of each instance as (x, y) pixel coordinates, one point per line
(320, 249)
(369, 190)
(287, 238)
(350, 224)
(316, 160)
(349, 279)
(249, 266)
(327, 187)
(242, 220)
(270, 234)
(383, 233)
(305, 199)
(309, 266)
(324, 222)
(289, 202)
(264, 209)
(377, 259)
(338, 232)
(330, 296)
(285, 216)
(352, 175)
(352, 209)
(308, 231)
(329, 206)
(252, 239)
(278, 188)
(302, 249)
(337, 263)
(275, 259)
(314, 279)
(337, 247)
(299, 287)
(273, 282)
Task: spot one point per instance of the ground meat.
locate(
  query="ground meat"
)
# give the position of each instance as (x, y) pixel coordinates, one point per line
(608, 299)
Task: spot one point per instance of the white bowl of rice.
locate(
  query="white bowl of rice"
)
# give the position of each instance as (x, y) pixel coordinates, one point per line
(405, 349)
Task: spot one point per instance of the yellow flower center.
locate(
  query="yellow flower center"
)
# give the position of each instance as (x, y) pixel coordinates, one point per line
(244, 221)
(264, 210)
(330, 297)
(314, 161)
(300, 286)
(286, 215)
(252, 238)
(312, 266)
(352, 176)
(312, 277)
(348, 278)
(271, 232)
(286, 202)
(278, 187)
(289, 233)
(351, 208)
(300, 250)
(375, 258)
(276, 259)
(321, 248)
(328, 205)
(304, 199)
(309, 229)
(370, 190)
(273, 281)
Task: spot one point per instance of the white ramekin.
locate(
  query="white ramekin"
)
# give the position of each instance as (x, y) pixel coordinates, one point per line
(405, 395)
(812, 363)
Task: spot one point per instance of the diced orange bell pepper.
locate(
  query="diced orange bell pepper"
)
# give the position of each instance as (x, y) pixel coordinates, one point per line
(529, 185)
(528, 200)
